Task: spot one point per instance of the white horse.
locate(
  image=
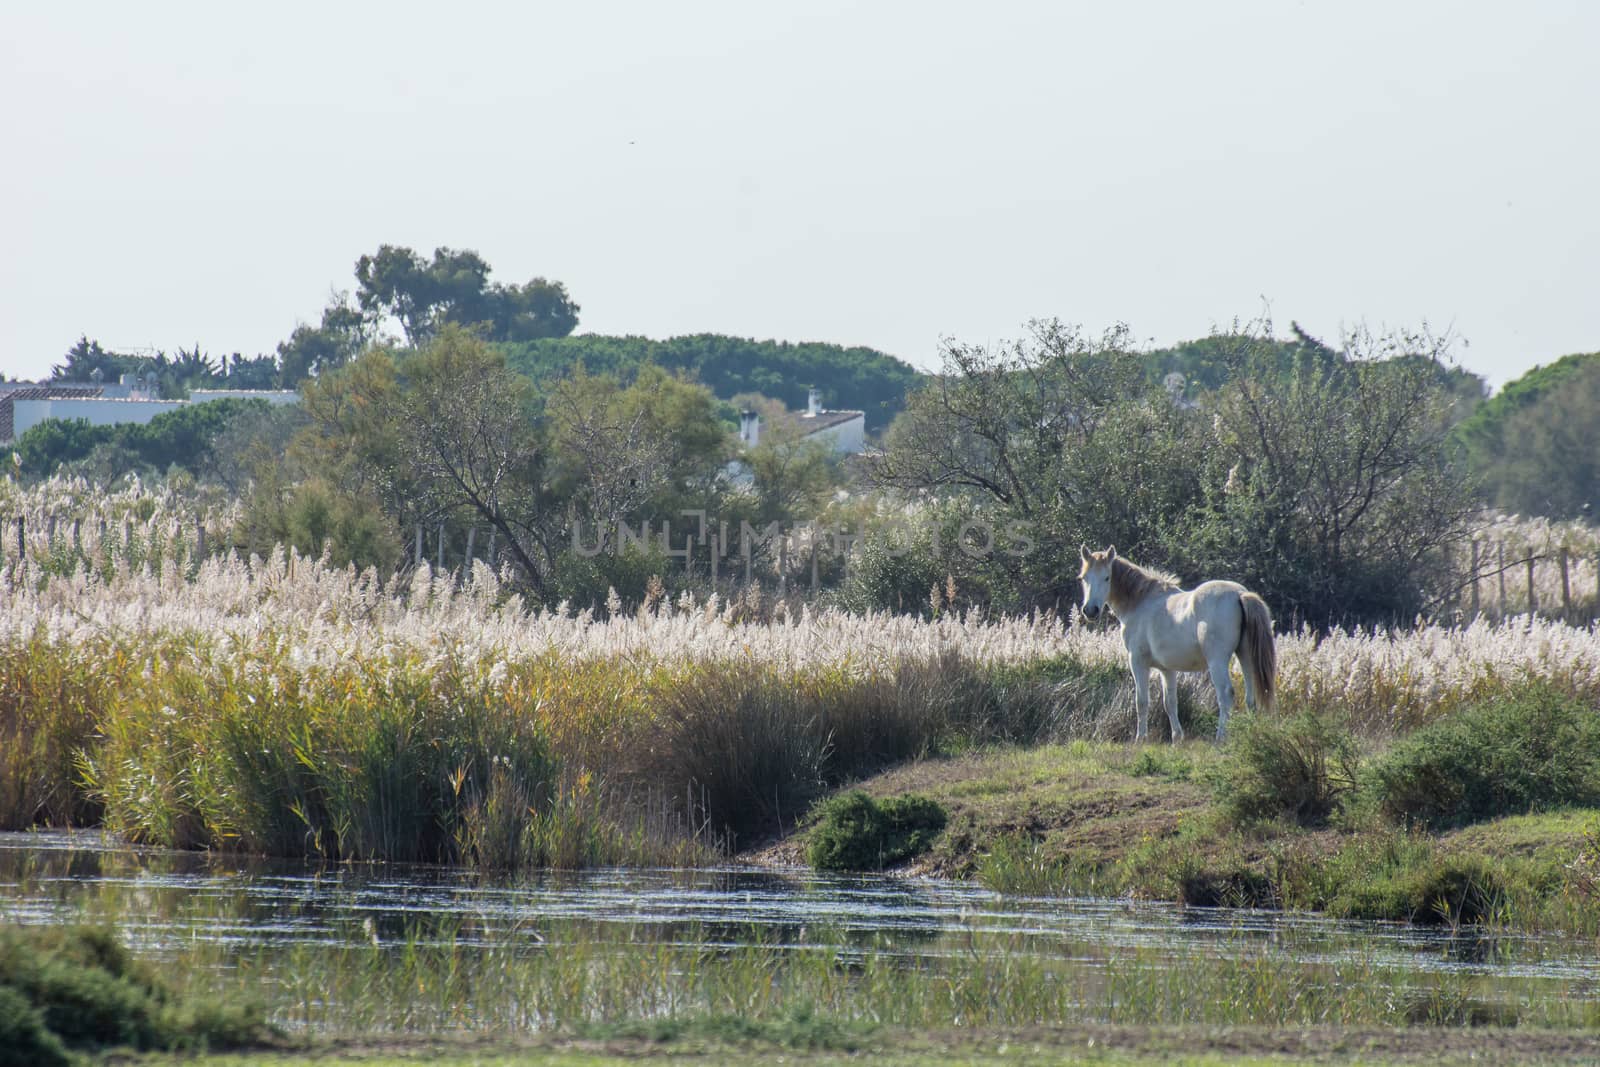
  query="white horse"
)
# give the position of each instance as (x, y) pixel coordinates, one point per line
(1171, 630)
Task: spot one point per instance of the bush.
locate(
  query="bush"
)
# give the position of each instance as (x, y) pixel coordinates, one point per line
(1299, 768)
(79, 988)
(857, 833)
(25, 1041)
(1536, 750)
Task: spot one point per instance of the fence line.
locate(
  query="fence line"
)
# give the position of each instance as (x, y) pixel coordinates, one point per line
(1549, 578)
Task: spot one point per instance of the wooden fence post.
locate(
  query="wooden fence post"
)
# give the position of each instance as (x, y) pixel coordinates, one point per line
(1533, 605)
(489, 554)
(1474, 611)
(441, 548)
(1566, 590)
(200, 540)
(419, 544)
(472, 536)
(1500, 574)
(22, 538)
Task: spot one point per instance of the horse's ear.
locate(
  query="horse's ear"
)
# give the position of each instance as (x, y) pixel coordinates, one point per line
(1111, 553)
(1083, 550)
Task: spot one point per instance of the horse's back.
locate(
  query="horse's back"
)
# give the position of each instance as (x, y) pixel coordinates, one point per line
(1196, 626)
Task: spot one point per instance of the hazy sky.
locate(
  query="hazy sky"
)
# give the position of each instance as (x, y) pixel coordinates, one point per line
(875, 173)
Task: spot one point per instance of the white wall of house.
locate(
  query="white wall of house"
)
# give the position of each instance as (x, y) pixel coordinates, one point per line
(96, 411)
(845, 438)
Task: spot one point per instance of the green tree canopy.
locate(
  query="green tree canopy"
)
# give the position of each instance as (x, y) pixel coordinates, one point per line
(1535, 445)
(180, 438)
(454, 287)
(849, 378)
(1321, 478)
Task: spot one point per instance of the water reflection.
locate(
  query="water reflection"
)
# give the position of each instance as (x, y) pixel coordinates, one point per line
(165, 898)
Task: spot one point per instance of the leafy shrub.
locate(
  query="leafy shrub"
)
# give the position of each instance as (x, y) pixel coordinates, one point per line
(1537, 749)
(857, 833)
(79, 988)
(25, 1041)
(1299, 768)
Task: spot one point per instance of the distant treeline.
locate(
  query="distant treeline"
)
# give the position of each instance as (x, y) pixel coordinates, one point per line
(859, 379)
(1534, 448)
(1535, 445)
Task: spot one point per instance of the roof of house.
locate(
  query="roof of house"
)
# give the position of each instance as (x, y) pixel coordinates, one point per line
(810, 424)
(37, 392)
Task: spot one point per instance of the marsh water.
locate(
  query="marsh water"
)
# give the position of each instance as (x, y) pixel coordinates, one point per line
(165, 900)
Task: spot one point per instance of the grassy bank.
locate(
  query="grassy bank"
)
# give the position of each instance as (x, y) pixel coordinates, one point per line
(1108, 819)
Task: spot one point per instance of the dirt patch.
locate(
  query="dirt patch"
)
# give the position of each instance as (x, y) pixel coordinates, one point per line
(1068, 1043)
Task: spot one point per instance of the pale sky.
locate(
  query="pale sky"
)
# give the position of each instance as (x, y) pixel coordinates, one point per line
(884, 174)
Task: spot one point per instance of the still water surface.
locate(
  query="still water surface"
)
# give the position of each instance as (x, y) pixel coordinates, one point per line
(164, 900)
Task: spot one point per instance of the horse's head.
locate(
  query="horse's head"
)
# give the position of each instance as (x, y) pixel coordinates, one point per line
(1096, 578)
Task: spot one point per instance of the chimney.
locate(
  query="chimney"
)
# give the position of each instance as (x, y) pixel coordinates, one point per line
(749, 428)
(814, 402)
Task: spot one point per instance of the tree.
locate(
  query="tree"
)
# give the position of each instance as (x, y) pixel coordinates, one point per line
(446, 432)
(651, 448)
(455, 288)
(1052, 432)
(86, 359)
(180, 438)
(312, 350)
(1334, 491)
(1323, 478)
(1535, 445)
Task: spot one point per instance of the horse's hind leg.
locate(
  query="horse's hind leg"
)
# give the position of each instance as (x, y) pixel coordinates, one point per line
(1169, 693)
(1223, 682)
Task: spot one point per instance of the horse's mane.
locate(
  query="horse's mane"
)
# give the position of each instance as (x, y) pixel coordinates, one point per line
(1131, 583)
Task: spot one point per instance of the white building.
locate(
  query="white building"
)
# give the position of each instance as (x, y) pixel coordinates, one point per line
(843, 432)
(95, 410)
(23, 405)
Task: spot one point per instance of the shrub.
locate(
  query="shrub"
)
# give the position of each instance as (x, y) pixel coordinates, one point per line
(25, 1041)
(1299, 768)
(79, 988)
(1537, 749)
(854, 832)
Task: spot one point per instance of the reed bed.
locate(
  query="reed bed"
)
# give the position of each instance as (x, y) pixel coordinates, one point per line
(288, 706)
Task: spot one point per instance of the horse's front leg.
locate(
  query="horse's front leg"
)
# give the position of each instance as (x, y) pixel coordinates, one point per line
(1141, 698)
(1223, 681)
(1169, 695)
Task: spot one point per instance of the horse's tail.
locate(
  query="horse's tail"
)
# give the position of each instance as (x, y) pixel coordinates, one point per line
(1257, 648)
